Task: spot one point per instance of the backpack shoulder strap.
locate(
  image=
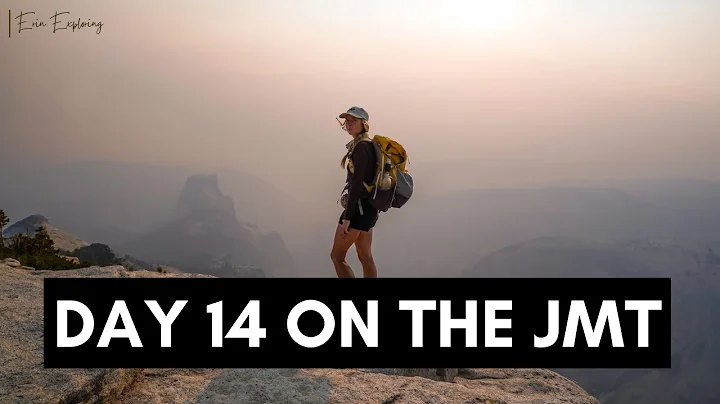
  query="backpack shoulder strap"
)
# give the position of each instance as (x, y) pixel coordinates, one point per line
(351, 146)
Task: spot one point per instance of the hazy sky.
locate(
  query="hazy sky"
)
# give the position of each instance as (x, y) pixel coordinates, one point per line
(253, 84)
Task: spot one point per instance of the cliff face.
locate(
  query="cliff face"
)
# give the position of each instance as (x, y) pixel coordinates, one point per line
(202, 192)
(23, 379)
(204, 235)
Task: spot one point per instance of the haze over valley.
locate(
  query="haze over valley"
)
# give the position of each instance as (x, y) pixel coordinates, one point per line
(544, 139)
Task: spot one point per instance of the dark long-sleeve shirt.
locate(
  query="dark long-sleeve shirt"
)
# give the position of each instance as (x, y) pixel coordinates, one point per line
(364, 161)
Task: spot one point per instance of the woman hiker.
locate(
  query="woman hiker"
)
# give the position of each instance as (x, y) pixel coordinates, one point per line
(358, 217)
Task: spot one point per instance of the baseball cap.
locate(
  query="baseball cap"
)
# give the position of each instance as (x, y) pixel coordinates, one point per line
(357, 112)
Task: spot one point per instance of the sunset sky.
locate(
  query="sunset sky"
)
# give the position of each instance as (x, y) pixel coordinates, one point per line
(253, 84)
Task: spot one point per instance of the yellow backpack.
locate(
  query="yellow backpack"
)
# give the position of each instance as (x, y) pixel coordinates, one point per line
(392, 185)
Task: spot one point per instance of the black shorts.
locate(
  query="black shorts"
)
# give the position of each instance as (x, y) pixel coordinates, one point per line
(363, 222)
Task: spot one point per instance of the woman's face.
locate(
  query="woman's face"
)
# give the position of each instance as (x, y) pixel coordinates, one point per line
(353, 125)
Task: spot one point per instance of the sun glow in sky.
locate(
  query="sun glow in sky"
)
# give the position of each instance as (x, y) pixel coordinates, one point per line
(480, 18)
(556, 80)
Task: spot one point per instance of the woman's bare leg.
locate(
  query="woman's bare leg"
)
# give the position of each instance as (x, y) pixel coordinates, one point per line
(363, 246)
(341, 245)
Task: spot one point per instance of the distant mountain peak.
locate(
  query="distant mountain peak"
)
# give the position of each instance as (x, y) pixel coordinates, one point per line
(62, 239)
(204, 230)
(202, 193)
(33, 221)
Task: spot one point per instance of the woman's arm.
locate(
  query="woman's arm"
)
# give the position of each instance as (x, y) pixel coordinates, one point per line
(362, 162)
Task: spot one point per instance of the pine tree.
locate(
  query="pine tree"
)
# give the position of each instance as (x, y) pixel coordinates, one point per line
(42, 243)
(4, 220)
(19, 244)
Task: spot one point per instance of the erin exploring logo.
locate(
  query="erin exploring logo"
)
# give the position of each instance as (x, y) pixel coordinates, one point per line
(58, 22)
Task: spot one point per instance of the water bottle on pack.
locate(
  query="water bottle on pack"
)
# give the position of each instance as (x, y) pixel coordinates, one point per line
(386, 182)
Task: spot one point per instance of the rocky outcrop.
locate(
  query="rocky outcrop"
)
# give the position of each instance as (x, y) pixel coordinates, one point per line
(10, 262)
(322, 386)
(22, 376)
(13, 263)
(71, 259)
(24, 380)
